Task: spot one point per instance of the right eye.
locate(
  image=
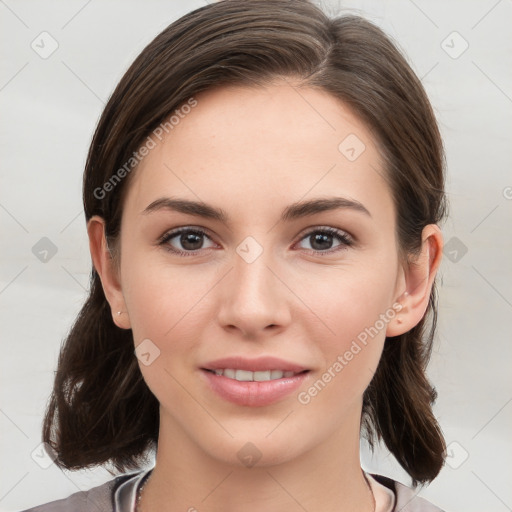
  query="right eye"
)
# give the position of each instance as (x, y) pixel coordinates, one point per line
(190, 239)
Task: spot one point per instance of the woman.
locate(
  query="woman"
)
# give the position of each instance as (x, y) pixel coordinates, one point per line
(262, 196)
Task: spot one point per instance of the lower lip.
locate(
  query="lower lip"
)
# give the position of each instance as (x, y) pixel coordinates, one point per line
(253, 394)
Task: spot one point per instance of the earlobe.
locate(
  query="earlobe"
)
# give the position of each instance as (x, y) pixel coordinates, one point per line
(419, 279)
(107, 270)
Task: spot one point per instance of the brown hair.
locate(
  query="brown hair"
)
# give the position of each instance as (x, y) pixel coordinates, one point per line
(101, 409)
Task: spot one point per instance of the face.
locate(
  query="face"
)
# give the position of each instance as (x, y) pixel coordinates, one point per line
(262, 278)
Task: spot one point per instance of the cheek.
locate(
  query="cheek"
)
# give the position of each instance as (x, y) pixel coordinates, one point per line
(353, 309)
(351, 300)
(161, 298)
(350, 358)
(165, 306)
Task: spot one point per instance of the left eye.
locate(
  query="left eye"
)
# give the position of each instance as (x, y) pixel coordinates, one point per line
(321, 240)
(191, 240)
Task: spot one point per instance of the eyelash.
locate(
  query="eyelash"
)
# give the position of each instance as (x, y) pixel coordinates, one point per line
(344, 238)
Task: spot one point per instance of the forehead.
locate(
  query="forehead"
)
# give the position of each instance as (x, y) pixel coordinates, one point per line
(253, 147)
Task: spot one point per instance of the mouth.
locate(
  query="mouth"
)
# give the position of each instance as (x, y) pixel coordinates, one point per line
(256, 376)
(254, 383)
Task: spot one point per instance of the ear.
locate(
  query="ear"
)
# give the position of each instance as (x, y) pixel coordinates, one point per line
(107, 270)
(419, 278)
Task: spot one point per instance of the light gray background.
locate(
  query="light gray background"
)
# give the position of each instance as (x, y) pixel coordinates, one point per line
(49, 109)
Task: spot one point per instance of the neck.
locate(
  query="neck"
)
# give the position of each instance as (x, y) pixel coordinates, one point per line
(326, 478)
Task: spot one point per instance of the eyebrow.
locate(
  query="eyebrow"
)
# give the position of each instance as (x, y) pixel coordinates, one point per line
(292, 212)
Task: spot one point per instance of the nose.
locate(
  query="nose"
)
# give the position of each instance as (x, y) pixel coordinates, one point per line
(254, 298)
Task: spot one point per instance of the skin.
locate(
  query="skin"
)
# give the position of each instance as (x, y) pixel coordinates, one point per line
(253, 152)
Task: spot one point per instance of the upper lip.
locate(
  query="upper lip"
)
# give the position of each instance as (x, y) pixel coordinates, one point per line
(254, 365)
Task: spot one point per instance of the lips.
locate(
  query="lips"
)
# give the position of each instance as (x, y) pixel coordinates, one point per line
(253, 382)
(248, 376)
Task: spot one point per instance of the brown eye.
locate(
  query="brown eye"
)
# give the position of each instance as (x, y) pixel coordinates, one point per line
(184, 241)
(321, 240)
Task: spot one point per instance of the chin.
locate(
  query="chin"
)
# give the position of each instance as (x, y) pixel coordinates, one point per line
(255, 448)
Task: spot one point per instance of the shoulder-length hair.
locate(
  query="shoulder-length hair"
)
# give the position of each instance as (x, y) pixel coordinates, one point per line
(101, 410)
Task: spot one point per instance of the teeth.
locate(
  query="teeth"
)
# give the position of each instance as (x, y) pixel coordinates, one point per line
(276, 374)
(229, 373)
(244, 375)
(261, 376)
(247, 376)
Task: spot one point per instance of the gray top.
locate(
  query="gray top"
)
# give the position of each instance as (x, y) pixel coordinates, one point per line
(118, 495)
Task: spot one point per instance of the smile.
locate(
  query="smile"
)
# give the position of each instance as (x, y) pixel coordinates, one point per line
(258, 376)
(243, 388)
